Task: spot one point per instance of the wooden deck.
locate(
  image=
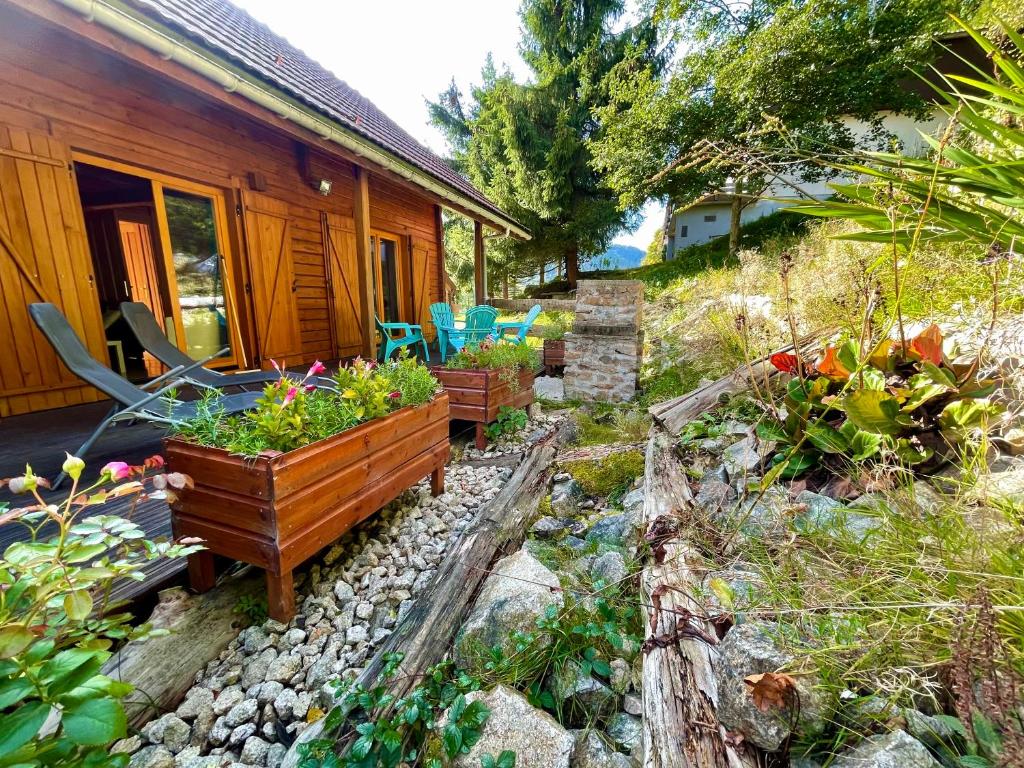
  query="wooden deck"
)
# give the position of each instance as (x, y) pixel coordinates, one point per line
(40, 440)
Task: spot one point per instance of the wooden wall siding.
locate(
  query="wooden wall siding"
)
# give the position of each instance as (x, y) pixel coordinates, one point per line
(44, 256)
(97, 103)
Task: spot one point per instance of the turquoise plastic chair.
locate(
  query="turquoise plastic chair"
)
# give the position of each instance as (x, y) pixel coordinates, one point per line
(521, 327)
(478, 326)
(442, 316)
(411, 335)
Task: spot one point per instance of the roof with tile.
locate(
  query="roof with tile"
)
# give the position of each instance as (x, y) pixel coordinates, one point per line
(229, 32)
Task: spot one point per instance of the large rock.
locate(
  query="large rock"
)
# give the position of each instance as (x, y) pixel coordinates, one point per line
(615, 530)
(888, 750)
(750, 649)
(581, 697)
(593, 750)
(742, 458)
(513, 597)
(549, 388)
(610, 568)
(826, 514)
(534, 735)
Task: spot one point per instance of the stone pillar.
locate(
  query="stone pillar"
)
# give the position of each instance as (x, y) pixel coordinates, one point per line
(604, 349)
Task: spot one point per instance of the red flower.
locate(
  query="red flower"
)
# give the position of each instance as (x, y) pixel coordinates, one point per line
(310, 387)
(316, 369)
(292, 392)
(785, 362)
(116, 470)
(395, 395)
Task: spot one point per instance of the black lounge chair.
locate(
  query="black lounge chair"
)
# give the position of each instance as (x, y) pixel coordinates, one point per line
(149, 334)
(130, 401)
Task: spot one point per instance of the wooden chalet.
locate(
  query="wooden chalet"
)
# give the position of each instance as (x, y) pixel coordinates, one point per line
(180, 154)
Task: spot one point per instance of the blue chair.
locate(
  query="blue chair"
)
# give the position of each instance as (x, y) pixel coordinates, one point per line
(478, 326)
(521, 327)
(390, 342)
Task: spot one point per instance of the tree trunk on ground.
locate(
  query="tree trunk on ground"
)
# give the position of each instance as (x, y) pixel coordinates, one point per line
(572, 266)
(674, 414)
(427, 632)
(680, 700)
(734, 224)
(162, 669)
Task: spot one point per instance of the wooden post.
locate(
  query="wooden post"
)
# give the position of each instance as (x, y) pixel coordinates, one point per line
(479, 263)
(361, 213)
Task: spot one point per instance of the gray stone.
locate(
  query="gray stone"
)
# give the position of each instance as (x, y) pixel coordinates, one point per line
(632, 704)
(357, 634)
(285, 704)
(582, 697)
(633, 502)
(750, 649)
(934, 733)
(827, 514)
(593, 750)
(255, 751)
(610, 568)
(714, 495)
(1005, 486)
(534, 735)
(343, 592)
(176, 733)
(613, 529)
(284, 667)
(219, 732)
(548, 527)
(195, 701)
(620, 675)
(256, 667)
(242, 712)
(275, 755)
(241, 733)
(626, 731)
(549, 388)
(742, 458)
(804, 762)
(268, 691)
(152, 757)
(887, 750)
(512, 598)
(761, 513)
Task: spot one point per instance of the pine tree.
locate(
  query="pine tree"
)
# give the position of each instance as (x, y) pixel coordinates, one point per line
(526, 144)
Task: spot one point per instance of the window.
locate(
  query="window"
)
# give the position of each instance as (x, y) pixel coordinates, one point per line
(683, 230)
(710, 217)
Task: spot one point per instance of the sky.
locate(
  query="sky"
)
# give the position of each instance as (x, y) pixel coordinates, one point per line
(398, 53)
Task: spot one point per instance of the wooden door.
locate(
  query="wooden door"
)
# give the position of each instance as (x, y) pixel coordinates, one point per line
(135, 227)
(268, 242)
(339, 235)
(44, 256)
(419, 277)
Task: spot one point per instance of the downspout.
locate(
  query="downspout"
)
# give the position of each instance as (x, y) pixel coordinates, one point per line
(128, 26)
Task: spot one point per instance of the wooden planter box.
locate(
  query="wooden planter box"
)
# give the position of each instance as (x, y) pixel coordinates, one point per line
(477, 395)
(279, 509)
(554, 354)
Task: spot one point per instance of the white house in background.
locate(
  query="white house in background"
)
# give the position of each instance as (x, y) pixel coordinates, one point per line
(710, 218)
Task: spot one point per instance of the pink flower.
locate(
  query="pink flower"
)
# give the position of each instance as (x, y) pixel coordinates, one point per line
(116, 470)
(316, 369)
(277, 367)
(395, 395)
(292, 392)
(371, 364)
(310, 387)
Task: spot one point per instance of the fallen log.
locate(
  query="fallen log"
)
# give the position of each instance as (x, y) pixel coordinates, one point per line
(425, 635)
(680, 695)
(675, 414)
(597, 452)
(199, 627)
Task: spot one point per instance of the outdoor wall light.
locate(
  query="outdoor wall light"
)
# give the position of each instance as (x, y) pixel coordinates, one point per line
(324, 187)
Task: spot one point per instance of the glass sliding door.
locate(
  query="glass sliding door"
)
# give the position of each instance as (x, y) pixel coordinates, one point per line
(192, 231)
(385, 266)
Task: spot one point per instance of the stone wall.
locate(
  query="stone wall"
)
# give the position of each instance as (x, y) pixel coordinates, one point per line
(604, 350)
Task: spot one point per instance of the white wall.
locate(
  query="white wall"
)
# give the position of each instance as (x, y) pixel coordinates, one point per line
(906, 130)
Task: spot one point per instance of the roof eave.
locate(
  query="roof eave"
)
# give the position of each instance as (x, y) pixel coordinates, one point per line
(157, 38)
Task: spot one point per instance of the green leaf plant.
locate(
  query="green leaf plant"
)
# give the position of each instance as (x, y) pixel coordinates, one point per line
(510, 420)
(57, 621)
(906, 402)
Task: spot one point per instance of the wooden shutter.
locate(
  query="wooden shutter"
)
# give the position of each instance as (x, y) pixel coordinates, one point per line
(339, 235)
(268, 242)
(421, 298)
(44, 256)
